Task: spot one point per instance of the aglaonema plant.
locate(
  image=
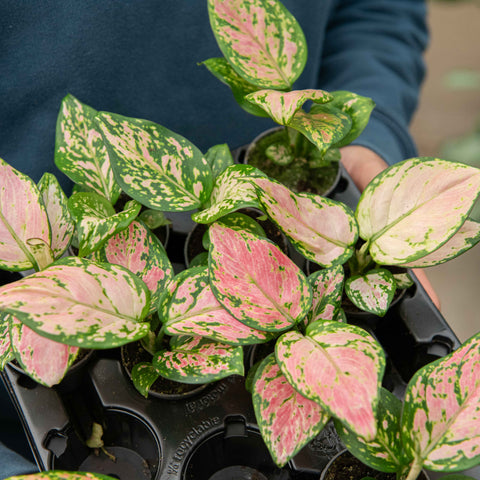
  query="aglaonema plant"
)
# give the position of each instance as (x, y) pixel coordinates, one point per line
(67, 303)
(435, 427)
(413, 214)
(265, 52)
(61, 475)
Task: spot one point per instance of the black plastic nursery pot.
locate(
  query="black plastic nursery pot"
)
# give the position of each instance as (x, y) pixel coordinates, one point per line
(212, 434)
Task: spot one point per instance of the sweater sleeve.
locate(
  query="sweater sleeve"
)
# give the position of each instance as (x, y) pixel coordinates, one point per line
(375, 48)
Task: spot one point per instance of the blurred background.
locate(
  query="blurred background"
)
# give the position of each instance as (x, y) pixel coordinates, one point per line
(447, 125)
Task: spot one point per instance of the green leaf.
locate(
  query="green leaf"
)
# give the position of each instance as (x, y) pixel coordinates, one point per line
(61, 475)
(219, 158)
(260, 39)
(80, 152)
(358, 108)
(157, 167)
(221, 69)
(199, 360)
(96, 220)
(6, 353)
(232, 191)
(144, 375)
(323, 125)
(153, 219)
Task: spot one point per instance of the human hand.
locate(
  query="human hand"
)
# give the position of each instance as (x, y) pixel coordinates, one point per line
(363, 164)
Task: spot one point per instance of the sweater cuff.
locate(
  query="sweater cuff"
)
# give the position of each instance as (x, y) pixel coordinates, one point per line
(387, 138)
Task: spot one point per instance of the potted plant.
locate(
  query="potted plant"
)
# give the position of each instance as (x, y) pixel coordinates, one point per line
(265, 52)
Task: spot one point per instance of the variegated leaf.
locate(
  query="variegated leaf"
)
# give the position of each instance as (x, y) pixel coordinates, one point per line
(402, 280)
(327, 288)
(221, 69)
(413, 207)
(321, 229)
(61, 475)
(96, 221)
(255, 281)
(241, 221)
(22, 216)
(80, 151)
(334, 363)
(260, 39)
(219, 158)
(280, 154)
(287, 420)
(442, 411)
(154, 165)
(153, 219)
(282, 106)
(372, 292)
(138, 250)
(323, 125)
(199, 360)
(6, 353)
(56, 204)
(42, 359)
(80, 303)
(358, 108)
(384, 452)
(144, 375)
(465, 238)
(232, 191)
(193, 310)
(41, 251)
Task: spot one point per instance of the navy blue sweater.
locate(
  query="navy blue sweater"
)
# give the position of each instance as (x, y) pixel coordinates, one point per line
(139, 58)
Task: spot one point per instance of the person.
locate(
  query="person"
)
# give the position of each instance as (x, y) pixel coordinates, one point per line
(140, 59)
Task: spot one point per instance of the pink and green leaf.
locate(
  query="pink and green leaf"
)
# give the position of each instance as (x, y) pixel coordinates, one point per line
(260, 39)
(287, 420)
(42, 359)
(282, 106)
(6, 353)
(327, 288)
(22, 216)
(97, 221)
(80, 151)
(192, 309)
(157, 167)
(322, 230)
(465, 238)
(232, 191)
(358, 108)
(442, 411)
(219, 158)
(144, 375)
(199, 360)
(323, 125)
(222, 70)
(255, 281)
(61, 475)
(412, 208)
(56, 204)
(80, 303)
(384, 452)
(372, 292)
(403, 280)
(332, 364)
(138, 250)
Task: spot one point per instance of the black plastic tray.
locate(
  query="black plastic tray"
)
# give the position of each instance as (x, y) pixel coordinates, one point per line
(212, 435)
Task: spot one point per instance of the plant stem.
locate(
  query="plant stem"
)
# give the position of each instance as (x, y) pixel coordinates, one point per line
(415, 470)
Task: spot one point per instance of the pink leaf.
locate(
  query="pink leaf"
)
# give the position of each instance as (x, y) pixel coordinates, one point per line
(287, 420)
(256, 282)
(42, 359)
(22, 216)
(442, 411)
(321, 229)
(192, 309)
(334, 363)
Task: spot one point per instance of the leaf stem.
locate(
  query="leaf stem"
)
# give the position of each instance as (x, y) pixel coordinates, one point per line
(415, 469)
